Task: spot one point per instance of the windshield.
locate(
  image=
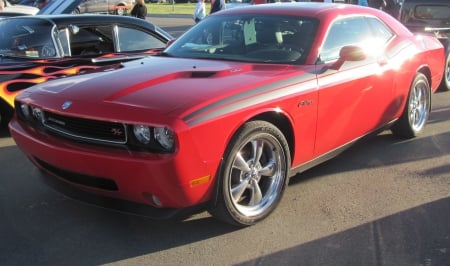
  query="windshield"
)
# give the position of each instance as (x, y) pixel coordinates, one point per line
(26, 38)
(250, 38)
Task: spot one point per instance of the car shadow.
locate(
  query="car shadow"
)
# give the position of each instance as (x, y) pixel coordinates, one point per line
(422, 231)
(4, 133)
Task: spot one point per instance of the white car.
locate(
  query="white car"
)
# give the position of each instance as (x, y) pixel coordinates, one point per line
(19, 9)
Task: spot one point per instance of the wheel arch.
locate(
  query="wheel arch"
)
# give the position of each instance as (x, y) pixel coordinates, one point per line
(283, 123)
(279, 120)
(425, 70)
(217, 203)
(6, 113)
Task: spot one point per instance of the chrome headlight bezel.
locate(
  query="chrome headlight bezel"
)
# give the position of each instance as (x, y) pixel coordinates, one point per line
(142, 134)
(152, 138)
(25, 110)
(165, 137)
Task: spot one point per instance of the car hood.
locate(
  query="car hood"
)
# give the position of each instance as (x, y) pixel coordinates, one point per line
(169, 86)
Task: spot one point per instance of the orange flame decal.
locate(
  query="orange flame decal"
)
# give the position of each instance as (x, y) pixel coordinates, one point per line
(29, 77)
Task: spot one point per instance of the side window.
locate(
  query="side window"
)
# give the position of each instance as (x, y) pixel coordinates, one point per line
(135, 40)
(91, 41)
(432, 11)
(346, 31)
(381, 33)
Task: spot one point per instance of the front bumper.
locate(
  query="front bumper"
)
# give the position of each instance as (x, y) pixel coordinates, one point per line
(121, 174)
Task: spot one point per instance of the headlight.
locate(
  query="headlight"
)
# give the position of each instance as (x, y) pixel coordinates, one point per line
(142, 134)
(164, 136)
(154, 139)
(25, 110)
(38, 114)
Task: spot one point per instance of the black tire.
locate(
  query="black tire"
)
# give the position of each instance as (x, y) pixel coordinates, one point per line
(445, 83)
(417, 109)
(253, 176)
(76, 11)
(6, 113)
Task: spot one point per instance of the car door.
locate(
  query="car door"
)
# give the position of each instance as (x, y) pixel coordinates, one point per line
(354, 96)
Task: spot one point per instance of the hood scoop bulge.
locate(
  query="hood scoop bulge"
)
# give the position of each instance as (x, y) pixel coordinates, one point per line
(202, 74)
(219, 73)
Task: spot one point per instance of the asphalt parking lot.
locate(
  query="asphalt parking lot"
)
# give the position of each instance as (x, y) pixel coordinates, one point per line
(383, 202)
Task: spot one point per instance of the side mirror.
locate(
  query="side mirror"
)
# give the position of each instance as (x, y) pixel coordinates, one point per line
(349, 53)
(74, 29)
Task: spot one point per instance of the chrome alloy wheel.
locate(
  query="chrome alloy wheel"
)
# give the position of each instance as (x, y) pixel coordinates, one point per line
(446, 78)
(253, 174)
(257, 176)
(419, 106)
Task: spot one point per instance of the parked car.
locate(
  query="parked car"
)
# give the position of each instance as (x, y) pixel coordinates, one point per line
(18, 9)
(430, 16)
(34, 49)
(118, 7)
(229, 111)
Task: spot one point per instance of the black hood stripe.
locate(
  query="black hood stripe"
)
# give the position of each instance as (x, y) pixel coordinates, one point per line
(252, 97)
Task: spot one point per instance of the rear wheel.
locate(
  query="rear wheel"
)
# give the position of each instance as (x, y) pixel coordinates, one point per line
(417, 109)
(445, 83)
(253, 176)
(121, 11)
(76, 11)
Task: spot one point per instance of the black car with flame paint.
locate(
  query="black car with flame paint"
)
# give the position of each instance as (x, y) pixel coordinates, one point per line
(34, 49)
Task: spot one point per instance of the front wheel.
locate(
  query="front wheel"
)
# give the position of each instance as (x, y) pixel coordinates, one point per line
(417, 109)
(253, 176)
(6, 113)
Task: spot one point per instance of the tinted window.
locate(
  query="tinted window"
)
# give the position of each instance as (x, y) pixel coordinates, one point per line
(432, 12)
(135, 40)
(92, 40)
(27, 38)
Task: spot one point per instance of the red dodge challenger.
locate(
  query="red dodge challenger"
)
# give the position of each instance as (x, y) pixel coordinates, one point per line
(233, 108)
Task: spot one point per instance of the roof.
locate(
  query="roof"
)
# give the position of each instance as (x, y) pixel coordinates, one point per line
(310, 9)
(67, 19)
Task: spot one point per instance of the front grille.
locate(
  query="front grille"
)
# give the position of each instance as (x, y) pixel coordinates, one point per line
(86, 129)
(81, 179)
